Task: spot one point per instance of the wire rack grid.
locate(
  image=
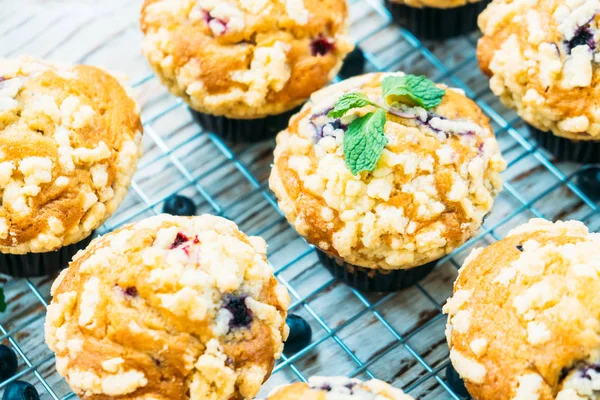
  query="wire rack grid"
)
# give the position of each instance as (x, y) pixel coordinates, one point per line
(396, 337)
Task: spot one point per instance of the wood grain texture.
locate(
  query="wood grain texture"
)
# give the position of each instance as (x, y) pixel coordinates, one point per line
(399, 337)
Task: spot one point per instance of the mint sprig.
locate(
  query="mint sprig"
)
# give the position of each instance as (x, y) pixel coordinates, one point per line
(412, 90)
(365, 139)
(348, 102)
(364, 142)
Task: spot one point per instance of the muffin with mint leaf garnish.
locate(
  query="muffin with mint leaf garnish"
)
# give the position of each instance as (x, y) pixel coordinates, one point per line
(385, 174)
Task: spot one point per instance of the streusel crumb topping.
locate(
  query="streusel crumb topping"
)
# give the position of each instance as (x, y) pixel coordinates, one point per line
(70, 139)
(168, 308)
(523, 321)
(245, 59)
(338, 388)
(435, 181)
(542, 58)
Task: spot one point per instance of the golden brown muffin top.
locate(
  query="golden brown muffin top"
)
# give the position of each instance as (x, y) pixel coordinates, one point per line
(245, 58)
(542, 58)
(435, 181)
(338, 388)
(435, 3)
(69, 144)
(168, 308)
(524, 320)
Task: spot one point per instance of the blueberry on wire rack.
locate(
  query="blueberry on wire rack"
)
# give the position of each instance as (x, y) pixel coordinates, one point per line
(19, 390)
(455, 382)
(8, 362)
(588, 181)
(179, 205)
(300, 334)
(354, 64)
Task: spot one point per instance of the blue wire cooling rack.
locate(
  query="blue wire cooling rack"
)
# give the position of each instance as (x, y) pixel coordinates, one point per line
(398, 337)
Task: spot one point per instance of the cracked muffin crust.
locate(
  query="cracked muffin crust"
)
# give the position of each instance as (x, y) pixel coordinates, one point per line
(524, 318)
(70, 138)
(338, 388)
(435, 181)
(168, 308)
(245, 59)
(541, 56)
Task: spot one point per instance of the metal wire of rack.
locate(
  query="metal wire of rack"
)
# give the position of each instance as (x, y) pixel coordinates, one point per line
(396, 337)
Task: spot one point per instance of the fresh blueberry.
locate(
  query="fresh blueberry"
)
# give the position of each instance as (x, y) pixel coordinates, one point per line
(8, 362)
(179, 205)
(300, 334)
(455, 382)
(588, 181)
(242, 316)
(354, 64)
(19, 390)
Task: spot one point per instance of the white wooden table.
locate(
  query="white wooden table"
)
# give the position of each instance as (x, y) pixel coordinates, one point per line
(399, 337)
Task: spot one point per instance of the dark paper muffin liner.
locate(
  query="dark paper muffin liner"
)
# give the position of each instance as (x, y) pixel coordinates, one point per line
(583, 151)
(244, 130)
(437, 23)
(370, 280)
(39, 264)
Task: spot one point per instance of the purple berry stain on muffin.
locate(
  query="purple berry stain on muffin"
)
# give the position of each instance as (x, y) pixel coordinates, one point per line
(216, 25)
(321, 46)
(350, 386)
(130, 291)
(241, 315)
(325, 387)
(179, 240)
(583, 37)
(584, 370)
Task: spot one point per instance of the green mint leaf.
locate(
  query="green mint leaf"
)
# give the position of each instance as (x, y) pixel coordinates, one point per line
(348, 102)
(2, 301)
(364, 142)
(412, 90)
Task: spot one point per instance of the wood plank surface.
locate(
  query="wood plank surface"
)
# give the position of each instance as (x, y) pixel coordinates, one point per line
(399, 337)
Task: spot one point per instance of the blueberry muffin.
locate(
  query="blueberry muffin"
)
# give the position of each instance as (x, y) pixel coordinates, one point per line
(385, 174)
(437, 19)
(244, 66)
(523, 321)
(542, 57)
(168, 308)
(338, 388)
(70, 138)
